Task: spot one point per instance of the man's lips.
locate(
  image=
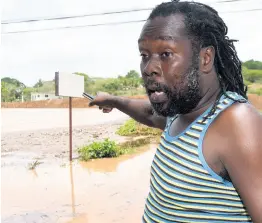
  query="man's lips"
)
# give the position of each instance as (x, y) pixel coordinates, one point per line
(157, 96)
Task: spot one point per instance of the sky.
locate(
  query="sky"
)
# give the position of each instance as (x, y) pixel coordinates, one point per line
(101, 51)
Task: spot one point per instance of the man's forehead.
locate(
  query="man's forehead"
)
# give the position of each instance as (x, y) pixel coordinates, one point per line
(160, 37)
(163, 28)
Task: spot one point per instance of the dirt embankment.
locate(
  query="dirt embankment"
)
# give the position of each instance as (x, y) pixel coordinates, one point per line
(256, 100)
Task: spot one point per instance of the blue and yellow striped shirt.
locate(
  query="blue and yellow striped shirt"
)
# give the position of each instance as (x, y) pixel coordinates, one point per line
(183, 188)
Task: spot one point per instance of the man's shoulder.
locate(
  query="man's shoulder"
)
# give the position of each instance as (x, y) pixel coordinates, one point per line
(241, 115)
(241, 123)
(239, 112)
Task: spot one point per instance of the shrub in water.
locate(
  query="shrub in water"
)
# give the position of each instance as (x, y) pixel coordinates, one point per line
(95, 150)
(109, 148)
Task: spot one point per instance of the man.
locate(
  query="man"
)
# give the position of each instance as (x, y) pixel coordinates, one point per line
(208, 166)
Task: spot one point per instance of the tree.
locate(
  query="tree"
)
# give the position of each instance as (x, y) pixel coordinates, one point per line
(27, 93)
(253, 76)
(133, 74)
(13, 81)
(112, 85)
(11, 90)
(131, 80)
(39, 84)
(4, 92)
(252, 64)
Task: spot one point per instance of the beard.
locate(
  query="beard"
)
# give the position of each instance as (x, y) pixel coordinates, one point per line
(183, 97)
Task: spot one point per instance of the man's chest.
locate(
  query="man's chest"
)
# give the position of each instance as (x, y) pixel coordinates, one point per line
(209, 142)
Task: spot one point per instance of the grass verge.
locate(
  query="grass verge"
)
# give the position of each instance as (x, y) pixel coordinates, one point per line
(108, 148)
(134, 128)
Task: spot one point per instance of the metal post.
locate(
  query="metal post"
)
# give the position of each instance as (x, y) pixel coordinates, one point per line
(70, 128)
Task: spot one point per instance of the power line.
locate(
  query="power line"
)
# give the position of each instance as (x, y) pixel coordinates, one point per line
(246, 10)
(7, 22)
(75, 27)
(226, 1)
(107, 24)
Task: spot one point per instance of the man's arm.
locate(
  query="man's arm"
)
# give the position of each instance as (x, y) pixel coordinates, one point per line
(243, 160)
(138, 109)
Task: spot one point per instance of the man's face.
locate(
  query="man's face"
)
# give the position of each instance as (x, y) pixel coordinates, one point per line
(169, 66)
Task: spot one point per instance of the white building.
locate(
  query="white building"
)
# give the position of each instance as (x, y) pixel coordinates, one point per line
(36, 96)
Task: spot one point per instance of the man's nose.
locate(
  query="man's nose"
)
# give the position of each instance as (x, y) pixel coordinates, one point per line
(152, 67)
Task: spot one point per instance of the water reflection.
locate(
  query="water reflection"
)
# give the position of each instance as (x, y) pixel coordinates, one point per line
(34, 173)
(78, 192)
(82, 218)
(107, 165)
(72, 189)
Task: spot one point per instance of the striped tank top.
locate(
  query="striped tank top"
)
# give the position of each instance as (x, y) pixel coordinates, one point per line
(183, 188)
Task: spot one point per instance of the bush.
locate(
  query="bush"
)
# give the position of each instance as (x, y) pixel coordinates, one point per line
(133, 128)
(252, 64)
(109, 148)
(252, 76)
(103, 149)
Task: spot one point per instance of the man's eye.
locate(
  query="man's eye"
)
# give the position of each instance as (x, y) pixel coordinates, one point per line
(166, 54)
(144, 56)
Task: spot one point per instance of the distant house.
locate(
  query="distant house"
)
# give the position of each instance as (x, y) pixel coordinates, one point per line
(36, 96)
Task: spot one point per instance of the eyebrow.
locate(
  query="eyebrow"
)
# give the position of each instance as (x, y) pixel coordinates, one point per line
(167, 38)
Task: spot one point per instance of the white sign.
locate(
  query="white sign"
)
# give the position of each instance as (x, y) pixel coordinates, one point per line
(69, 85)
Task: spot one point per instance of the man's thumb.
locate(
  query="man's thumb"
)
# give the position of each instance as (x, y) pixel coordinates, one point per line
(91, 103)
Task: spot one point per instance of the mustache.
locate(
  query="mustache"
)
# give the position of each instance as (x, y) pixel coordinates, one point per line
(156, 86)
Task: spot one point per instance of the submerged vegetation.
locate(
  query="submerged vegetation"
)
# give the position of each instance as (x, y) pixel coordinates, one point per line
(109, 148)
(33, 165)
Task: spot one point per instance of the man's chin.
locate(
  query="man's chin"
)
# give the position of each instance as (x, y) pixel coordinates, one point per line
(162, 109)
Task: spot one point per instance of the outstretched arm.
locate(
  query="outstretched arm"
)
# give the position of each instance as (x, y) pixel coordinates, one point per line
(138, 109)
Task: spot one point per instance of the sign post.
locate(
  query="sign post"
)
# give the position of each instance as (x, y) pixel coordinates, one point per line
(70, 128)
(69, 85)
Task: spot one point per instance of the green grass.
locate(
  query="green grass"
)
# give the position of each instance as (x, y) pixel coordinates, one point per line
(33, 165)
(95, 150)
(257, 91)
(130, 92)
(132, 146)
(133, 128)
(108, 148)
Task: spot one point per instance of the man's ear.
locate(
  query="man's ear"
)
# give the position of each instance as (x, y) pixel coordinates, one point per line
(207, 56)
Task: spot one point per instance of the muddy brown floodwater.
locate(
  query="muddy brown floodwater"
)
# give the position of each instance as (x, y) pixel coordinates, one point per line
(55, 191)
(106, 190)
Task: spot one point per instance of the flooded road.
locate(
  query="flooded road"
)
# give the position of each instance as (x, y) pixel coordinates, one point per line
(28, 119)
(107, 190)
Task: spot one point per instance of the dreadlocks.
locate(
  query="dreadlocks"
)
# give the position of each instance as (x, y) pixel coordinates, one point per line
(206, 28)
